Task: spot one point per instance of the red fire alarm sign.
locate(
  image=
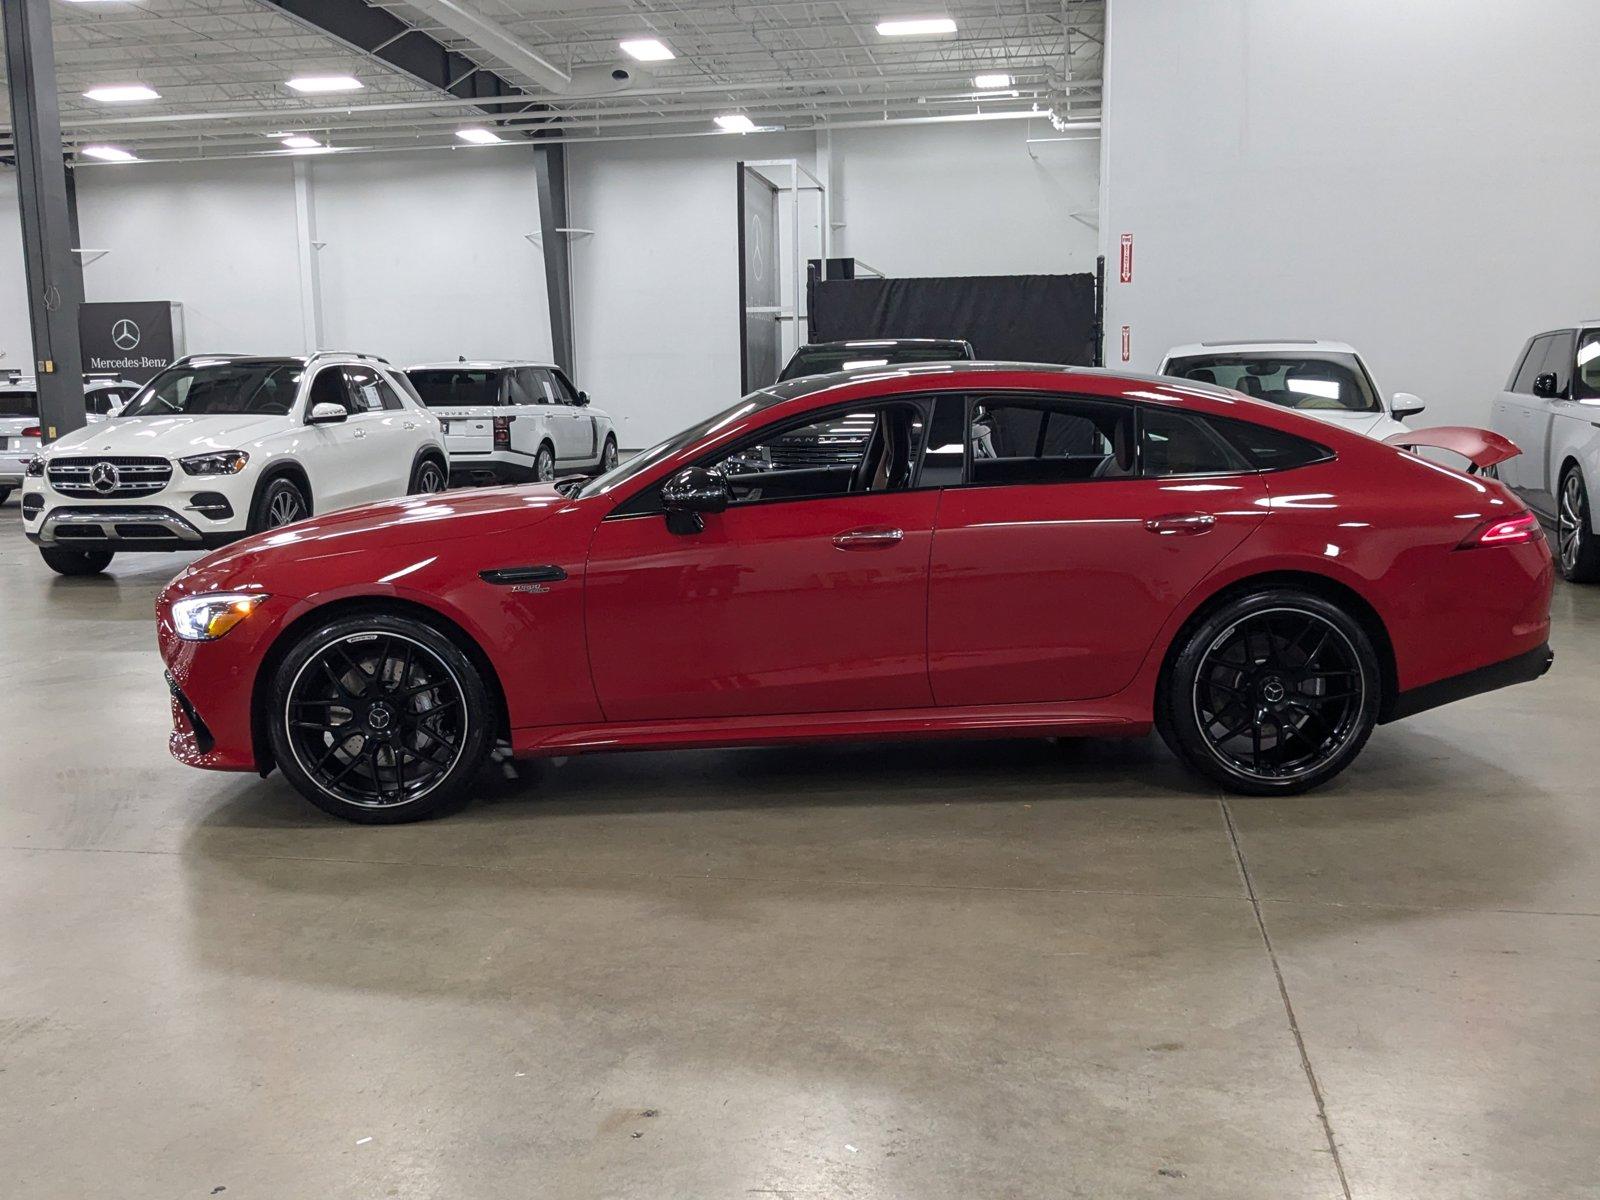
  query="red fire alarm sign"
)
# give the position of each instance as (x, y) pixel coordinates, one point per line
(1127, 258)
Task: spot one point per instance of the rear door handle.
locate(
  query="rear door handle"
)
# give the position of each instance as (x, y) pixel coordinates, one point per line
(868, 539)
(1191, 523)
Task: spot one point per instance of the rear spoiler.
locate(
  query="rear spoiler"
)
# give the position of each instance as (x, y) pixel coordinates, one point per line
(1483, 448)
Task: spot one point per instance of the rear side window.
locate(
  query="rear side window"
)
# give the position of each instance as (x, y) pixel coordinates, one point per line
(369, 391)
(1175, 443)
(524, 387)
(1272, 449)
(1054, 440)
(19, 404)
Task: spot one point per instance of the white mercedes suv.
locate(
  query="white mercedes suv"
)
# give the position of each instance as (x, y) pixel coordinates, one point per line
(218, 446)
(514, 422)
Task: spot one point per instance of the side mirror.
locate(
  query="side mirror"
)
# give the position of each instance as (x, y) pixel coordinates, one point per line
(1545, 385)
(1404, 404)
(326, 413)
(692, 491)
(583, 399)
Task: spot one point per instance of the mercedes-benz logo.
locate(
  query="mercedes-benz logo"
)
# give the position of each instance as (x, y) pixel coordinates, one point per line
(125, 334)
(103, 478)
(1273, 691)
(379, 718)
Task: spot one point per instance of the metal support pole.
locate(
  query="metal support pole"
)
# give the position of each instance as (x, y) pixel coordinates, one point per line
(550, 174)
(55, 278)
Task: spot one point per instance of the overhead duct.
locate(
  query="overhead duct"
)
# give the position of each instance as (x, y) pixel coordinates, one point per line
(499, 43)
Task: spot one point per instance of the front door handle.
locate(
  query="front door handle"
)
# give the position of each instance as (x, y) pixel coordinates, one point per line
(358, 433)
(876, 538)
(1189, 523)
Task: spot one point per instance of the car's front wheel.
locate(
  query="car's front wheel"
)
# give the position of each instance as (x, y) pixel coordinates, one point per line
(75, 562)
(281, 502)
(379, 719)
(1578, 550)
(1274, 693)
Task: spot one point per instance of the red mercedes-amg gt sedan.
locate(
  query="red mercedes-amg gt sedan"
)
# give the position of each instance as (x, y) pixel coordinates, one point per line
(1008, 550)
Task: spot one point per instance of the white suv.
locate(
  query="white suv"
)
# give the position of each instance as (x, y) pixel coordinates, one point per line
(514, 422)
(1325, 380)
(103, 396)
(218, 446)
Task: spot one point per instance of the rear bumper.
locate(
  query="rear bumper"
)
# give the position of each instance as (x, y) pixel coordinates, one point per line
(478, 470)
(1523, 668)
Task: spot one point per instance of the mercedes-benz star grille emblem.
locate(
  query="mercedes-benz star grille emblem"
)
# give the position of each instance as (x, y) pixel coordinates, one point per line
(125, 334)
(104, 478)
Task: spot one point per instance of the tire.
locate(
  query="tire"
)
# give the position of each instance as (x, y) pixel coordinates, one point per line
(427, 477)
(402, 689)
(608, 456)
(1577, 548)
(280, 502)
(75, 562)
(1272, 694)
(544, 464)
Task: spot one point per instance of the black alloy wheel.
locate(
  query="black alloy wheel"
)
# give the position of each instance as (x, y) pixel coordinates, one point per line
(1275, 693)
(380, 719)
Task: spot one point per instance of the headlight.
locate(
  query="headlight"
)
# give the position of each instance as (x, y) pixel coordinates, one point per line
(206, 618)
(224, 462)
(36, 466)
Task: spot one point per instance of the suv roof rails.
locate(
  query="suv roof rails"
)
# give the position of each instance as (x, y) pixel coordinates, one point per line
(349, 354)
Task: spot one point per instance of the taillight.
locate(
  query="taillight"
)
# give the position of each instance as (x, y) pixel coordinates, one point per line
(31, 431)
(502, 432)
(1504, 531)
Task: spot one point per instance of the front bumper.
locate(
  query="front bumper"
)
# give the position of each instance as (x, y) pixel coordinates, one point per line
(122, 527)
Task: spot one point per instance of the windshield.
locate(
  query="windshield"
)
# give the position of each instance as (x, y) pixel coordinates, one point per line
(19, 404)
(456, 388)
(1325, 382)
(639, 463)
(820, 360)
(253, 385)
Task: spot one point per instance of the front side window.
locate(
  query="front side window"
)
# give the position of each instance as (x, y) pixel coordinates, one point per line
(873, 450)
(1558, 362)
(1528, 370)
(329, 388)
(262, 385)
(1326, 382)
(562, 389)
(1586, 385)
(1063, 440)
(453, 387)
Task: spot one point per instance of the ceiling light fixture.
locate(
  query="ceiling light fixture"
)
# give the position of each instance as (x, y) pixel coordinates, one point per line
(646, 49)
(735, 123)
(479, 137)
(998, 79)
(326, 83)
(301, 141)
(121, 93)
(916, 26)
(109, 154)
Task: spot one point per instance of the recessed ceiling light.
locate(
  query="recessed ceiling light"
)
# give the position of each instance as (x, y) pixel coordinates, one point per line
(1011, 95)
(913, 26)
(479, 137)
(735, 123)
(646, 49)
(109, 154)
(989, 82)
(301, 141)
(326, 83)
(118, 93)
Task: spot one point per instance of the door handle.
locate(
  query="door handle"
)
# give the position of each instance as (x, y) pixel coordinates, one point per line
(868, 539)
(1190, 523)
(410, 424)
(358, 433)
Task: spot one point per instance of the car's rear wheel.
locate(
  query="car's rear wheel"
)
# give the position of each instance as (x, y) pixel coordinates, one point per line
(281, 502)
(75, 562)
(379, 719)
(1274, 693)
(428, 476)
(544, 464)
(608, 456)
(1577, 549)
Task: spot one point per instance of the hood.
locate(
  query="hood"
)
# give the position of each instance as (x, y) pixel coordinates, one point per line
(1369, 424)
(452, 516)
(173, 436)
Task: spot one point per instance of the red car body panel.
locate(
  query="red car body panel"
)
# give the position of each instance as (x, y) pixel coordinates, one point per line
(1002, 609)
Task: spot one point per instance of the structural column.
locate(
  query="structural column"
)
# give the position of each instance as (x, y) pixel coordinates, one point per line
(55, 276)
(550, 169)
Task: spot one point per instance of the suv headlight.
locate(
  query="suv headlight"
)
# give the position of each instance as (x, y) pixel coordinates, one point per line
(206, 618)
(36, 466)
(224, 462)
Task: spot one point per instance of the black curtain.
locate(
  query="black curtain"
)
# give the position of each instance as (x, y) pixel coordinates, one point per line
(1017, 318)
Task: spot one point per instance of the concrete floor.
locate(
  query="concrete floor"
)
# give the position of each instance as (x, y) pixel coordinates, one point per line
(979, 970)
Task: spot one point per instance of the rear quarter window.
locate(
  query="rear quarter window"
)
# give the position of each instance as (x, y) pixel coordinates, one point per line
(1272, 449)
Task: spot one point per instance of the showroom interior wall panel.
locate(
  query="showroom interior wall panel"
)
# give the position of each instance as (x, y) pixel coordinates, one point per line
(219, 238)
(1416, 179)
(427, 258)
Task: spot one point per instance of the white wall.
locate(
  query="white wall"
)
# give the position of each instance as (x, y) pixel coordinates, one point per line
(1418, 179)
(16, 341)
(655, 290)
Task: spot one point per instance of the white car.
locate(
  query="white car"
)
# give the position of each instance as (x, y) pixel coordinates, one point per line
(1550, 407)
(514, 422)
(218, 446)
(1325, 380)
(103, 396)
